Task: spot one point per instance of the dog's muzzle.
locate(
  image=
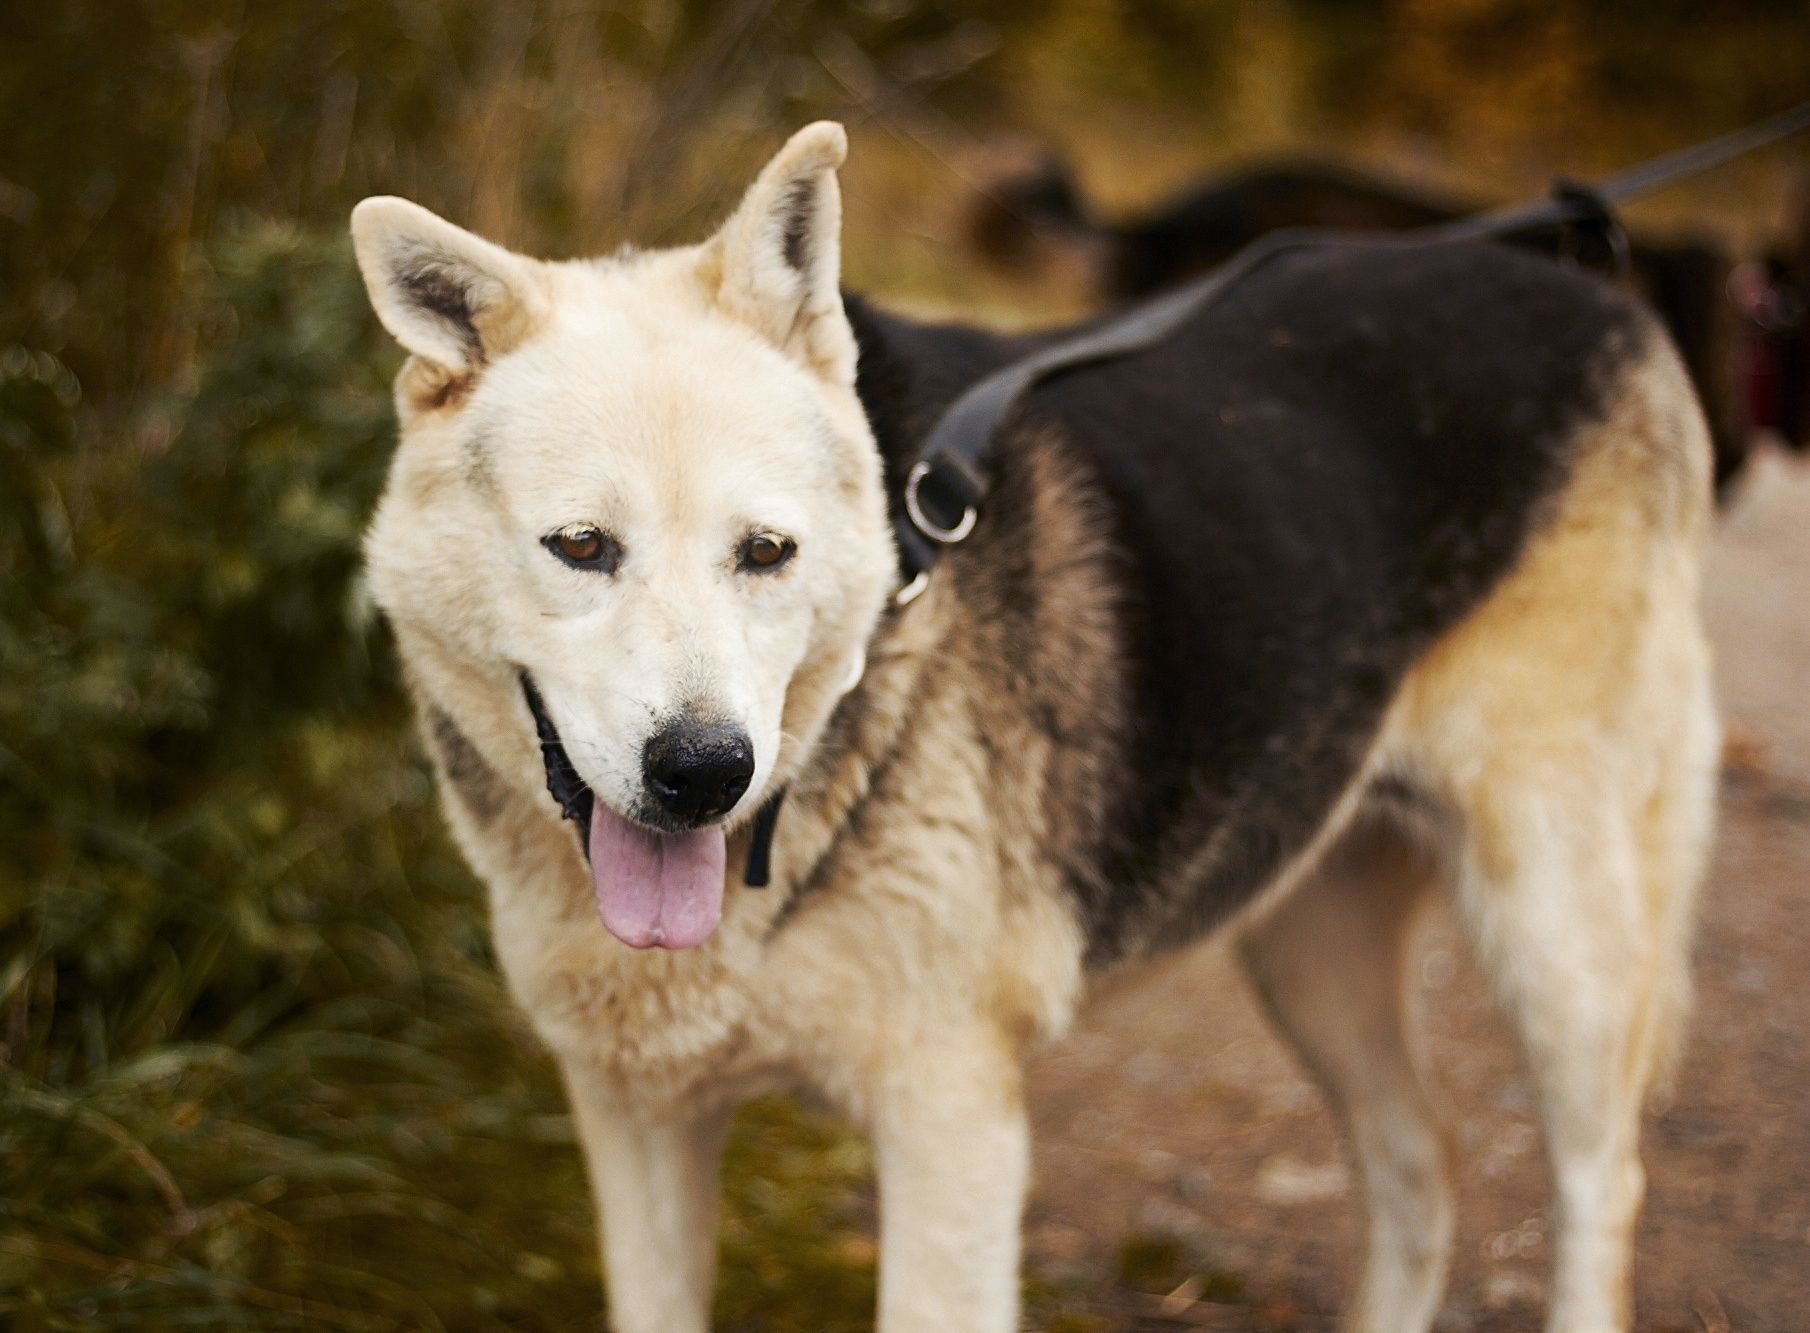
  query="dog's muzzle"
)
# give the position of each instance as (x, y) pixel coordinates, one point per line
(574, 798)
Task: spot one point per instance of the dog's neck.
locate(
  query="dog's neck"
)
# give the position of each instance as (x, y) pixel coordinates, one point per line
(907, 374)
(866, 732)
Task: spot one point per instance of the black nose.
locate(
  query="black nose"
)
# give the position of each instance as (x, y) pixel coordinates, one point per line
(697, 773)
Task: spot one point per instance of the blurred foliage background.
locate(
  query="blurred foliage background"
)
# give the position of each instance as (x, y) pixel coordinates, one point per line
(255, 1065)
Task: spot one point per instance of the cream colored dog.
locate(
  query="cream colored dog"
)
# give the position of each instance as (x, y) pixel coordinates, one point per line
(637, 547)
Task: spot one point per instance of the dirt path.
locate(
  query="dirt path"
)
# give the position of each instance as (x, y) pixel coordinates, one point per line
(1177, 1139)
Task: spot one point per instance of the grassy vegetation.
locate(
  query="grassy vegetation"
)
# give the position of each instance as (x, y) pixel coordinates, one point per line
(256, 1068)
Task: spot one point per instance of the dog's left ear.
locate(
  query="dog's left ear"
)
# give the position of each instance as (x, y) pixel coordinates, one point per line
(781, 254)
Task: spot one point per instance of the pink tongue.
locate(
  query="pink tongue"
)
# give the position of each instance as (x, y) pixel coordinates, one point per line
(661, 889)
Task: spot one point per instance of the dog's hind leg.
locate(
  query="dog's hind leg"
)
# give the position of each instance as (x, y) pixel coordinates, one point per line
(654, 1176)
(1568, 723)
(1584, 932)
(1560, 934)
(1331, 963)
(1580, 904)
(1581, 756)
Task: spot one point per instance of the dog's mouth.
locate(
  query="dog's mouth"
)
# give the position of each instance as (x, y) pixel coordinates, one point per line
(654, 889)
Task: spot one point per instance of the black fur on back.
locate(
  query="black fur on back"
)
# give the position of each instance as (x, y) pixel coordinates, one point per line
(1306, 486)
(1206, 223)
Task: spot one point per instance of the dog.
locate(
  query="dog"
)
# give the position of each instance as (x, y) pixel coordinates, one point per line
(1743, 330)
(1376, 582)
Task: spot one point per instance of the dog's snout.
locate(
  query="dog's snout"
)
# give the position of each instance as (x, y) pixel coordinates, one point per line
(697, 773)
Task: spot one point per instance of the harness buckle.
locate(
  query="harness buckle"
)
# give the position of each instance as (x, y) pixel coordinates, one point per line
(914, 508)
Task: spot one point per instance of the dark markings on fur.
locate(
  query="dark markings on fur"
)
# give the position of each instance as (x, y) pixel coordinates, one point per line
(476, 783)
(845, 731)
(480, 451)
(1304, 488)
(450, 390)
(430, 286)
(800, 212)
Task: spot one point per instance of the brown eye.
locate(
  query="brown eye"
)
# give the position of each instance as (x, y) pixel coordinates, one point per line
(763, 552)
(585, 548)
(581, 547)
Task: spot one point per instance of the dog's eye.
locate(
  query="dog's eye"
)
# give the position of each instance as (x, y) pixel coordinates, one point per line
(764, 552)
(585, 547)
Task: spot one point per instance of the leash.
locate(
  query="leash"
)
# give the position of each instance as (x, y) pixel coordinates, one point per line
(948, 482)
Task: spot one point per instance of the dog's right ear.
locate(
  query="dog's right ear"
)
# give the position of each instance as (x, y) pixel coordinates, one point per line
(450, 297)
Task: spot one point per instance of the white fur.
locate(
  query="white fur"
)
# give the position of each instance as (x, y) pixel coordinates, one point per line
(647, 401)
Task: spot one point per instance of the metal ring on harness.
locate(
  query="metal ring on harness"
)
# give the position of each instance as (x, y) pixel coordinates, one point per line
(937, 533)
(908, 594)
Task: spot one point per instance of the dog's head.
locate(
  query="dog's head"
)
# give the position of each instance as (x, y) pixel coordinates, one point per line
(642, 493)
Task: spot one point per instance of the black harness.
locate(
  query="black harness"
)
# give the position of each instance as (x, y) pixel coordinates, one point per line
(947, 484)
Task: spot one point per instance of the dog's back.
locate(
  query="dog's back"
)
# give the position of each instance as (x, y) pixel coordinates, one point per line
(1207, 223)
(1304, 488)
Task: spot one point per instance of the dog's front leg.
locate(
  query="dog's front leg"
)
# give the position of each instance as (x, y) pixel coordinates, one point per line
(654, 1175)
(952, 1149)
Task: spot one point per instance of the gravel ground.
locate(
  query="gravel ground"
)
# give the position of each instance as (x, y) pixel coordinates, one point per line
(1182, 1152)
